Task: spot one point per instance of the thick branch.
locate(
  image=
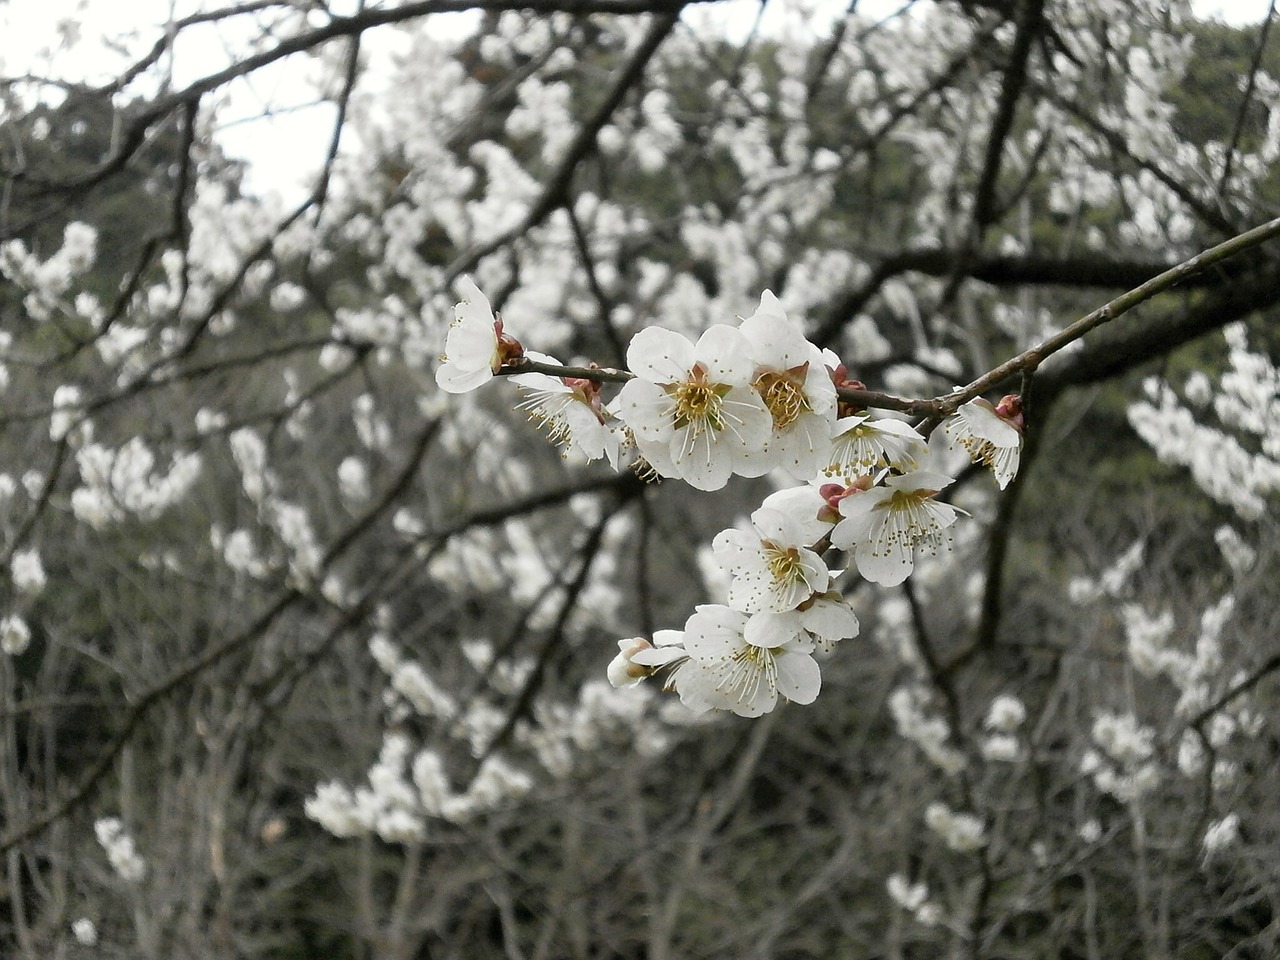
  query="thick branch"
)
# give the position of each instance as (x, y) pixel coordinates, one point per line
(1029, 360)
(135, 133)
(1237, 299)
(556, 190)
(1015, 78)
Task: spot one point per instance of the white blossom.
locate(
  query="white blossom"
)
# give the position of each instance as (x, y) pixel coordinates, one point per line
(772, 566)
(333, 807)
(823, 619)
(914, 898)
(15, 635)
(622, 672)
(862, 444)
(33, 483)
(1001, 747)
(570, 410)
(730, 670)
(66, 411)
(930, 733)
(250, 455)
(472, 353)
(691, 407)
(792, 380)
(990, 434)
(1238, 554)
(962, 832)
(431, 781)
(1006, 713)
(84, 931)
(638, 658)
(353, 480)
(1191, 754)
(240, 554)
(1221, 834)
(120, 849)
(125, 481)
(1123, 738)
(426, 696)
(27, 572)
(1125, 767)
(909, 896)
(884, 526)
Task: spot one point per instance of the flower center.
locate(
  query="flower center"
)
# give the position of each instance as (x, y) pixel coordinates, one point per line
(905, 501)
(748, 668)
(980, 450)
(784, 563)
(783, 395)
(911, 520)
(698, 401)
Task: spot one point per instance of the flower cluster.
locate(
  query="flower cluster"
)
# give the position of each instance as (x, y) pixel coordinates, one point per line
(1123, 763)
(751, 399)
(914, 898)
(962, 832)
(15, 635)
(121, 850)
(409, 787)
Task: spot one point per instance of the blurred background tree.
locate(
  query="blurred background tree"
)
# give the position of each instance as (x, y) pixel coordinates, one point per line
(332, 646)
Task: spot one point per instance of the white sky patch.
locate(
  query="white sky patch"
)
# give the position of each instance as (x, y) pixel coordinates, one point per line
(272, 120)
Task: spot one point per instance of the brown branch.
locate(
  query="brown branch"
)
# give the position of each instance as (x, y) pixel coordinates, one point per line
(1118, 143)
(1249, 88)
(556, 190)
(1015, 79)
(1267, 667)
(135, 133)
(1236, 298)
(1029, 360)
(134, 716)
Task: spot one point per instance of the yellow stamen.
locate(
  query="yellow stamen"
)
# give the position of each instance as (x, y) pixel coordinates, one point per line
(783, 395)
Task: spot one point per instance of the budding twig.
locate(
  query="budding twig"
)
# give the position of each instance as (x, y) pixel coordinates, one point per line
(1028, 360)
(1024, 363)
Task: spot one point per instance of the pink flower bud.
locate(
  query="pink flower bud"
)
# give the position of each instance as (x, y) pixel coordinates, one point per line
(510, 350)
(1009, 409)
(622, 671)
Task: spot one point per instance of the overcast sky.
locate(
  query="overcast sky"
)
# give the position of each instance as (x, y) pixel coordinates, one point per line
(275, 147)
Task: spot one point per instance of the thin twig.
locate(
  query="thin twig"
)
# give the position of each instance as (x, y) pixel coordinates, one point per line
(1023, 364)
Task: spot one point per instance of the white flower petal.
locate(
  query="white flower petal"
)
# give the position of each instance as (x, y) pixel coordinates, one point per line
(831, 620)
(801, 504)
(453, 379)
(753, 586)
(775, 340)
(726, 353)
(885, 564)
(983, 421)
(645, 408)
(771, 630)
(713, 631)
(732, 549)
(660, 356)
(799, 677)
(698, 460)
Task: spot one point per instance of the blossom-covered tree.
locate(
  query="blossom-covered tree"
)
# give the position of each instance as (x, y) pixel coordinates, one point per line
(899, 578)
